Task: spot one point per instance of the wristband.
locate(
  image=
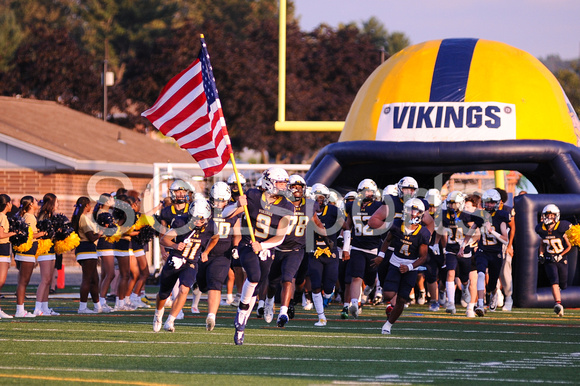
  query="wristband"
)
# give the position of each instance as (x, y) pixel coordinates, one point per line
(346, 235)
(410, 266)
(381, 254)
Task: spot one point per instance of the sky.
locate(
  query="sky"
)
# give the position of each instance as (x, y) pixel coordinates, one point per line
(540, 27)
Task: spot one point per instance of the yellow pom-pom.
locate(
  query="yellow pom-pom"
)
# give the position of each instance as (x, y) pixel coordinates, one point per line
(27, 245)
(68, 244)
(44, 246)
(114, 237)
(574, 235)
(144, 221)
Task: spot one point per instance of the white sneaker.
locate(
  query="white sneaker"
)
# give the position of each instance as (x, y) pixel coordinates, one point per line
(268, 313)
(168, 303)
(422, 298)
(105, 308)
(180, 316)
(4, 315)
(320, 323)
(194, 310)
(353, 310)
(209, 323)
(86, 311)
(442, 298)
(157, 322)
(470, 313)
(236, 301)
(50, 312)
(225, 302)
(38, 312)
(465, 296)
(508, 304)
(386, 330)
(168, 326)
(450, 308)
(139, 303)
(24, 314)
(493, 301)
(559, 310)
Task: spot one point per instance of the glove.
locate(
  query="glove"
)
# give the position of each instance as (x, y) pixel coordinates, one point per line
(556, 258)
(235, 254)
(329, 243)
(176, 262)
(264, 254)
(541, 259)
(435, 249)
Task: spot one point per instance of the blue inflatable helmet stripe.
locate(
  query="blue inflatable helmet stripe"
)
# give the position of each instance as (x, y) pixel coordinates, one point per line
(451, 71)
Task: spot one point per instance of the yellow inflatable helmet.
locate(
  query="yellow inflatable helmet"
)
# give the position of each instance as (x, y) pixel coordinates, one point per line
(461, 90)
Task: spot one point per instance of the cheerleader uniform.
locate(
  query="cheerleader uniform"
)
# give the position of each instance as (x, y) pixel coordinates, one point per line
(86, 249)
(30, 255)
(5, 242)
(104, 248)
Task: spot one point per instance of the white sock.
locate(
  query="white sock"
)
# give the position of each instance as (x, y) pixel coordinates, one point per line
(170, 319)
(354, 301)
(38, 306)
(269, 302)
(318, 305)
(480, 303)
(283, 310)
(160, 312)
(229, 298)
(346, 304)
(82, 306)
(470, 306)
(260, 304)
(20, 308)
(211, 316)
(248, 292)
(196, 298)
(103, 301)
(450, 286)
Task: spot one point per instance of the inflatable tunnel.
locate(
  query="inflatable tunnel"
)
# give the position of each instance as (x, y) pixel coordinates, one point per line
(464, 105)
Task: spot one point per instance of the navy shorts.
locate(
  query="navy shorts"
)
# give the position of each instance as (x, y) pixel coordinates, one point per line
(256, 269)
(400, 283)
(303, 270)
(323, 272)
(493, 262)
(436, 267)
(360, 266)
(169, 276)
(285, 266)
(212, 274)
(557, 272)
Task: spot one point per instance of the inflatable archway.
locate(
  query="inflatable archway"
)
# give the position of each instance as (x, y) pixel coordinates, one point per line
(459, 105)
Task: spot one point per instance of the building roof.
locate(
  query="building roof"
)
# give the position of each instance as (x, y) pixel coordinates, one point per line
(79, 141)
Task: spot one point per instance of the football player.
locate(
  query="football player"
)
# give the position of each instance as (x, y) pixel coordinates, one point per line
(410, 241)
(270, 214)
(553, 249)
(364, 245)
(182, 264)
(505, 275)
(493, 224)
(435, 265)
(213, 272)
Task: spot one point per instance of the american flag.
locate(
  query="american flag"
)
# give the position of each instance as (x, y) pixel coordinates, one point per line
(189, 110)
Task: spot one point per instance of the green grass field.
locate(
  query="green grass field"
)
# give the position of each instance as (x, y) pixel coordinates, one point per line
(519, 347)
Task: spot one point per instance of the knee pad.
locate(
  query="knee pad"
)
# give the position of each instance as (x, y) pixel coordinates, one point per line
(481, 281)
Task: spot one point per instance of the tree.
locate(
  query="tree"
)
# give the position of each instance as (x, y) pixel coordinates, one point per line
(11, 36)
(570, 81)
(380, 37)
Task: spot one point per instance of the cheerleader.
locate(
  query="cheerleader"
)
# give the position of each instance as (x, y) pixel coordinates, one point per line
(105, 251)
(26, 259)
(139, 265)
(124, 215)
(86, 253)
(5, 207)
(46, 260)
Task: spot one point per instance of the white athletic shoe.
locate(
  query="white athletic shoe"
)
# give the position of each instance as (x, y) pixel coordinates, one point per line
(353, 310)
(493, 301)
(168, 303)
(194, 310)
(422, 298)
(442, 298)
(50, 312)
(470, 313)
(105, 308)
(268, 313)
(386, 330)
(180, 316)
(465, 296)
(508, 304)
(157, 322)
(559, 310)
(500, 299)
(24, 314)
(209, 323)
(320, 323)
(86, 311)
(450, 308)
(168, 326)
(225, 302)
(38, 312)
(4, 315)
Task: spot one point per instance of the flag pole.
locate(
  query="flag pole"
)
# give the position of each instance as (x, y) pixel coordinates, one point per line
(250, 228)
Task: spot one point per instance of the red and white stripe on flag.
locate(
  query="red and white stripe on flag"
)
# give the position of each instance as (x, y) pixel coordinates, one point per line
(189, 110)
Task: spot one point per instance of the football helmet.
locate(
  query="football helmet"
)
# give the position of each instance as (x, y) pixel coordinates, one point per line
(220, 191)
(350, 196)
(319, 189)
(180, 185)
(455, 197)
(391, 190)
(433, 197)
(271, 176)
(259, 183)
(333, 198)
(200, 210)
(232, 182)
(413, 211)
(295, 193)
(407, 183)
(491, 199)
(368, 188)
(550, 209)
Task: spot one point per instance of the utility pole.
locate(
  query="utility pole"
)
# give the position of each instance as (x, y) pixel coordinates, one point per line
(105, 63)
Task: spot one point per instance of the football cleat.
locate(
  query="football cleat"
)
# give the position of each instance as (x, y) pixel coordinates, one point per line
(442, 298)
(388, 310)
(508, 304)
(493, 301)
(378, 296)
(260, 312)
(353, 310)
(326, 301)
(470, 313)
(434, 306)
(157, 323)
(209, 323)
(386, 330)
(344, 313)
(268, 313)
(168, 326)
(559, 309)
(422, 298)
(450, 308)
(282, 320)
(479, 311)
(321, 323)
(291, 310)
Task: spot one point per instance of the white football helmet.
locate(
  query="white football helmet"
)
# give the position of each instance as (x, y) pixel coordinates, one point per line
(333, 198)
(413, 211)
(232, 182)
(407, 183)
(350, 196)
(455, 197)
(259, 183)
(491, 199)
(319, 189)
(220, 191)
(369, 188)
(433, 197)
(550, 209)
(200, 210)
(180, 185)
(271, 176)
(391, 190)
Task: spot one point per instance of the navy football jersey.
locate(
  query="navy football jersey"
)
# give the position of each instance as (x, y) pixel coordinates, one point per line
(456, 226)
(265, 217)
(169, 213)
(407, 246)
(329, 216)
(225, 229)
(553, 240)
(195, 240)
(296, 234)
(363, 236)
(488, 242)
